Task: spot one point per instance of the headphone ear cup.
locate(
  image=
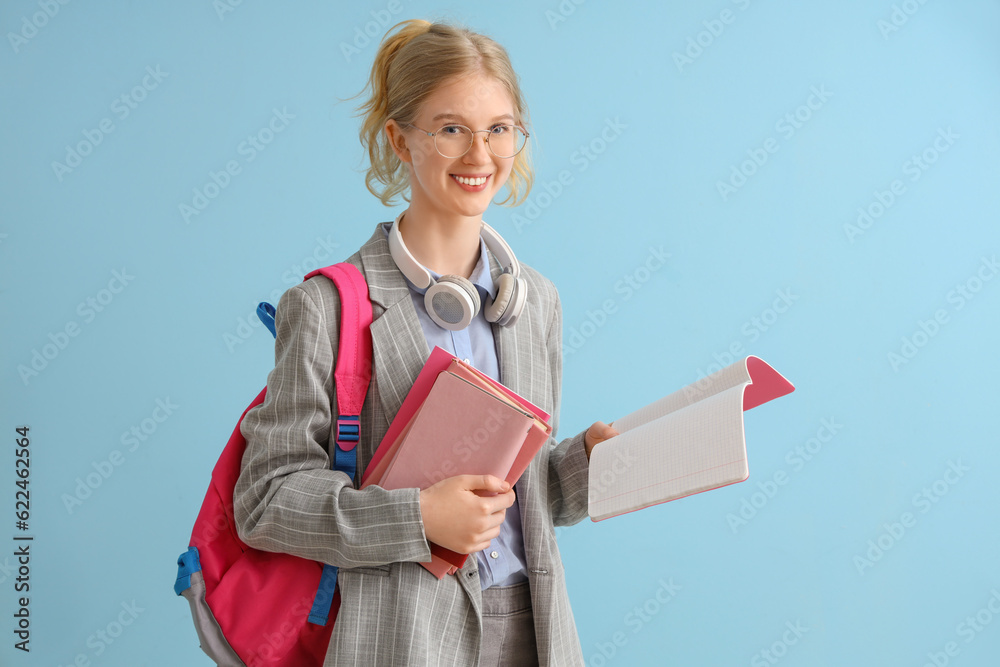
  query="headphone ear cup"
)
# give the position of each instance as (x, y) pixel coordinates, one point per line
(452, 302)
(496, 306)
(515, 303)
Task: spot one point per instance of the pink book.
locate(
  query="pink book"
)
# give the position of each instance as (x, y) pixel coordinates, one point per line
(445, 561)
(537, 436)
(440, 360)
(460, 429)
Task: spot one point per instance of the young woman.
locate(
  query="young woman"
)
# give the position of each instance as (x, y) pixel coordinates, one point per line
(445, 127)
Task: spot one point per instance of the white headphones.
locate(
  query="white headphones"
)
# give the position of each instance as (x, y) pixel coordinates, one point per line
(452, 301)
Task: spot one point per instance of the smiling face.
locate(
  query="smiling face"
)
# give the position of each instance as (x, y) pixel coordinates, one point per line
(462, 186)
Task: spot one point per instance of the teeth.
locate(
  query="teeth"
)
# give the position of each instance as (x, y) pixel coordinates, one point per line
(471, 181)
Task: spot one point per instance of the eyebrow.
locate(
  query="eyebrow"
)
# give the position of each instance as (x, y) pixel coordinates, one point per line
(453, 116)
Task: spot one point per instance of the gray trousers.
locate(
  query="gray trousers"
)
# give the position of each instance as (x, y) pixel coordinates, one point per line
(508, 627)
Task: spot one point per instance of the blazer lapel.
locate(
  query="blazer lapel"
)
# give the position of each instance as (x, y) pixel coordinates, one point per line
(515, 355)
(399, 348)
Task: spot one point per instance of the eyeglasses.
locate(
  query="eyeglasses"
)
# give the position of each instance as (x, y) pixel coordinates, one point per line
(453, 141)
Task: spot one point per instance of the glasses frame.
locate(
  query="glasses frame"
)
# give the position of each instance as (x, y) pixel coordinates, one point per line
(472, 141)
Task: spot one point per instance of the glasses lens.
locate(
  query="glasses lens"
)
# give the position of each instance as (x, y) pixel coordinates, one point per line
(506, 140)
(453, 140)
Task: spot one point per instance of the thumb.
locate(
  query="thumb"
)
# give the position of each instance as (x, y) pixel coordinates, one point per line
(490, 483)
(600, 431)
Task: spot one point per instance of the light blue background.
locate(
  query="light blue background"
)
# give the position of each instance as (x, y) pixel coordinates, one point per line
(672, 131)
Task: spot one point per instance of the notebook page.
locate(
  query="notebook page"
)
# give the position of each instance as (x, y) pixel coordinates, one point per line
(693, 449)
(730, 376)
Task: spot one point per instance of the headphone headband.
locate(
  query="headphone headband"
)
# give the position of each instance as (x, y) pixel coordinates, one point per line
(453, 301)
(500, 249)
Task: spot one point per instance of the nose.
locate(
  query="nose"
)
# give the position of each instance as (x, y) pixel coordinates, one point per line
(479, 150)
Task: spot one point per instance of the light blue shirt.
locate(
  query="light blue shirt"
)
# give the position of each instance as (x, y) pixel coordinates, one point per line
(503, 563)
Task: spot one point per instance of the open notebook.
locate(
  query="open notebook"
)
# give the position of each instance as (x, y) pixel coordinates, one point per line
(687, 442)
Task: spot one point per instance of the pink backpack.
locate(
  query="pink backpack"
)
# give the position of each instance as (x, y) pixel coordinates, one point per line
(257, 608)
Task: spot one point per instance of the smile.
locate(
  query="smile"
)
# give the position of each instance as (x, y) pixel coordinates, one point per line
(471, 182)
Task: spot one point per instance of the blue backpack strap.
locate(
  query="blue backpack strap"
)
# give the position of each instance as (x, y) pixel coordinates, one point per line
(351, 378)
(266, 312)
(187, 564)
(320, 612)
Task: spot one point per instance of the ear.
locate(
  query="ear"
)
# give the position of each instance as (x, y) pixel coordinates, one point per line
(397, 140)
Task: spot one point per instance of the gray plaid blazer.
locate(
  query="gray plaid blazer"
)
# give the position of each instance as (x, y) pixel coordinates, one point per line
(287, 499)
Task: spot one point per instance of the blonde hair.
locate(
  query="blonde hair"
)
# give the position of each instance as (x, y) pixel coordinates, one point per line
(414, 58)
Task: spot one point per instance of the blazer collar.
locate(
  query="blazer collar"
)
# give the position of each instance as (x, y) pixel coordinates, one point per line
(389, 286)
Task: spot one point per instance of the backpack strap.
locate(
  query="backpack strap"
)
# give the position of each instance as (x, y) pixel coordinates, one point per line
(351, 378)
(354, 360)
(265, 312)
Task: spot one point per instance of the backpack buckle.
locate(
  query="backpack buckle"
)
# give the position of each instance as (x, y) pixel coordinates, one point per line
(348, 431)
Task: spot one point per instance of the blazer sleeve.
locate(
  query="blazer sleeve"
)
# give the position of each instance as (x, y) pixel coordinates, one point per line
(287, 498)
(568, 465)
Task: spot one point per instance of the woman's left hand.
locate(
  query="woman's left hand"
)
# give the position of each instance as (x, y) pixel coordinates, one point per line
(598, 432)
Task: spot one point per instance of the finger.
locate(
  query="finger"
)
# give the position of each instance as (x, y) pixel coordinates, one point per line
(492, 532)
(498, 503)
(482, 545)
(603, 431)
(488, 483)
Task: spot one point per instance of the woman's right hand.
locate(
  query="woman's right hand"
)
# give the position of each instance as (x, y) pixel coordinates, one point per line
(463, 513)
